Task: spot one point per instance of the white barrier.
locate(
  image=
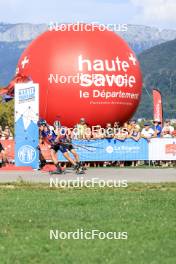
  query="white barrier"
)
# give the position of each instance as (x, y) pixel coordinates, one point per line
(162, 149)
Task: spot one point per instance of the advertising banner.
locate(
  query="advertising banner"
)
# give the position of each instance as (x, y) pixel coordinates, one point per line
(110, 150)
(101, 150)
(26, 129)
(157, 106)
(162, 149)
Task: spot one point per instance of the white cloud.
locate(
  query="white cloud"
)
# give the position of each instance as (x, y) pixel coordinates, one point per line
(161, 13)
(158, 12)
(66, 11)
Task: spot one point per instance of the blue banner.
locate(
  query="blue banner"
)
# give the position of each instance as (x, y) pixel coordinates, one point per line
(26, 142)
(26, 129)
(110, 150)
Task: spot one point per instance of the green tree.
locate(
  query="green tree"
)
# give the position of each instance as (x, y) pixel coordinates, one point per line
(7, 114)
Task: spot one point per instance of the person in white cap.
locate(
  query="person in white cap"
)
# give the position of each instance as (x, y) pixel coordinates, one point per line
(147, 132)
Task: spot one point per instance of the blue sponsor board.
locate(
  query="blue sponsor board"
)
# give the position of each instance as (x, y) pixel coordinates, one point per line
(26, 129)
(26, 142)
(110, 150)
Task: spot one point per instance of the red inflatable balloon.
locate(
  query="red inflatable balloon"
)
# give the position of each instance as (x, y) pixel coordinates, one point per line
(94, 75)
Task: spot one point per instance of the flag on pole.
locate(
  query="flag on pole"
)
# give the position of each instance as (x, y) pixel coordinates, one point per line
(157, 106)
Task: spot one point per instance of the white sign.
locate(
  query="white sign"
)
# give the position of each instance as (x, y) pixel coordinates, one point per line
(162, 149)
(27, 102)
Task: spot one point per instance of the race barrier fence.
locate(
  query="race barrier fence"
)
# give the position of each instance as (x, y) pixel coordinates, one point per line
(112, 150)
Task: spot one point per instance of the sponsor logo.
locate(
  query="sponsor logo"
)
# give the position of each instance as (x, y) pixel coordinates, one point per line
(26, 154)
(27, 94)
(109, 149)
(171, 149)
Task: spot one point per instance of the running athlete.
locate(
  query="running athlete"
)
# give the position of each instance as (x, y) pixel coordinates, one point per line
(63, 144)
(59, 140)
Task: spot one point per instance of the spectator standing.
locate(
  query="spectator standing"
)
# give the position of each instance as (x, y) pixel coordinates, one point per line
(167, 129)
(157, 128)
(1, 132)
(135, 134)
(166, 133)
(97, 132)
(7, 133)
(82, 126)
(133, 124)
(116, 125)
(147, 132)
(109, 131)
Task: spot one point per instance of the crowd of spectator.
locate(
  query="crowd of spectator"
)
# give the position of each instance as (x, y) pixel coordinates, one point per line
(131, 129)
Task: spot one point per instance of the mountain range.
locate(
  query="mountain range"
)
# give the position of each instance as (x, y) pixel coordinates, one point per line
(138, 36)
(158, 66)
(155, 49)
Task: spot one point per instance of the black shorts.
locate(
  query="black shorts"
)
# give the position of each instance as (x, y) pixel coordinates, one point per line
(1, 147)
(62, 148)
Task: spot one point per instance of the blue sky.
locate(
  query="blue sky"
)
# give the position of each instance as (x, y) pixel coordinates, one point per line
(160, 13)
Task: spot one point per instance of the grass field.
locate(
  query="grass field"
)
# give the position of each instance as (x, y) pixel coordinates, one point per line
(146, 212)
